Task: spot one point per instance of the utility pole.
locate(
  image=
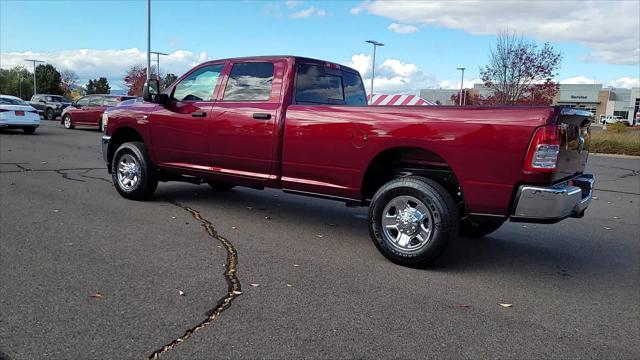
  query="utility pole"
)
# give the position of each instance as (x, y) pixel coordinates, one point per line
(34, 61)
(461, 85)
(148, 39)
(158, 62)
(373, 68)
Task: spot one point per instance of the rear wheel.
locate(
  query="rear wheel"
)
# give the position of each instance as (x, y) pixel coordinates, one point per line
(472, 229)
(132, 172)
(412, 220)
(29, 130)
(220, 186)
(49, 115)
(67, 122)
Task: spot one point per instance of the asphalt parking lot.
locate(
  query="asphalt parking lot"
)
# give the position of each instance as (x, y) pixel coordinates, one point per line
(86, 274)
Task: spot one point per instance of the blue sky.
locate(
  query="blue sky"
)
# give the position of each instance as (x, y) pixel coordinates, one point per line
(437, 38)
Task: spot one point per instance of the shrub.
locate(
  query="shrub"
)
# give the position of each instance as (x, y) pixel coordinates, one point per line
(618, 128)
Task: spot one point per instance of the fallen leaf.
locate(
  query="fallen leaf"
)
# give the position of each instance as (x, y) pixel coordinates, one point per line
(268, 217)
(505, 305)
(56, 210)
(615, 217)
(234, 227)
(236, 292)
(607, 228)
(255, 285)
(249, 208)
(295, 265)
(289, 285)
(180, 292)
(595, 198)
(463, 306)
(96, 295)
(320, 236)
(608, 202)
(173, 217)
(43, 162)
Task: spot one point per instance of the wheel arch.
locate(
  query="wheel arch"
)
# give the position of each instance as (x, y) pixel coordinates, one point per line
(120, 136)
(400, 161)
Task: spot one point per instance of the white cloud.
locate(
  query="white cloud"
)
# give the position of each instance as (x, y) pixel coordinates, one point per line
(112, 64)
(402, 29)
(455, 84)
(292, 3)
(578, 80)
(392, 75)
(312, 11)
(624, 82)
(590, 23)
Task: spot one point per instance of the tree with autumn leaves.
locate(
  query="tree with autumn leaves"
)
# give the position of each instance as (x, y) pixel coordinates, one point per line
(519, 73)
(137, 75)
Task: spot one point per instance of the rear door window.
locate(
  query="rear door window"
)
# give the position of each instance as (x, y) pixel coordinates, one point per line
(249, 82)
(317, 85)
(354, 93)
(199, 85)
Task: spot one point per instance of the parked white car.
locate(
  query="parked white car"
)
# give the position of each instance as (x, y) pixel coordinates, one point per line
(17, 114)
(612, 119)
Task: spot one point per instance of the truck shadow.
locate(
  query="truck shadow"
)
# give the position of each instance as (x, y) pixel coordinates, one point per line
(511, 249)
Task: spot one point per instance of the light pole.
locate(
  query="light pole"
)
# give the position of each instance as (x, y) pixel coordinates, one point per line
(34, 73)
(373, 68)
(148, 39)
(158, 62)
(461, 84)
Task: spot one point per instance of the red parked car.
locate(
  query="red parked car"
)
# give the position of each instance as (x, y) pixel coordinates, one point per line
(304, 126)
(87, 111)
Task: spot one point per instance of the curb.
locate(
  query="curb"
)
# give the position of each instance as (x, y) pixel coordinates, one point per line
(615, 156)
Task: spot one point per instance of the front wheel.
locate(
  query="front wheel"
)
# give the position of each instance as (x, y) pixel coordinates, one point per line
(49, 115)
(67, 122)
(412, 220)
(132, 172)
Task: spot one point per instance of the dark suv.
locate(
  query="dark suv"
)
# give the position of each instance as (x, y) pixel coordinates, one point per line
(50, 106)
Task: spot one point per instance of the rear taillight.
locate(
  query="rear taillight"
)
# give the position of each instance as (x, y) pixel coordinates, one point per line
(543, 151)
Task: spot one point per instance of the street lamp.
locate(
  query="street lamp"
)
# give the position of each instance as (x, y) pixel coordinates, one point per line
(148, 39)
(34, 73)
(373, 68)
(461, 84)
(158, 62)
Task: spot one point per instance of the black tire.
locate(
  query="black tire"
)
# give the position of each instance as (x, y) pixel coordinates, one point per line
(29, 130)
(479, 229)
(220, 186)
(66, 121)
(49, 114)
(146, 182)
(442, 214)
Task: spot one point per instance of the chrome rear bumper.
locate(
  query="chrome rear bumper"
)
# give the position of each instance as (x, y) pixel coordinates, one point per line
(553, 203)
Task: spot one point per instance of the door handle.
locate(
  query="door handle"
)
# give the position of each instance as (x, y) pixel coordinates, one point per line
(199, 114)
(262, 116)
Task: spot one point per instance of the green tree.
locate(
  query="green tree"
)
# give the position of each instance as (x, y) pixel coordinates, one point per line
(91, 87)
(48, 80)
(168, 80)
(17, 81)
(102, 86)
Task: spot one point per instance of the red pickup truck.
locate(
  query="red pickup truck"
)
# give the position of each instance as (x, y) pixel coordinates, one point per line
(303, 125)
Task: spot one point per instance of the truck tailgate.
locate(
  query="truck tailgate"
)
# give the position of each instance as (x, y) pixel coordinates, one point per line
(575, 135)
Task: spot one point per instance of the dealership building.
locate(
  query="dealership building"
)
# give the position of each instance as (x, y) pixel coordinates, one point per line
(591, 97)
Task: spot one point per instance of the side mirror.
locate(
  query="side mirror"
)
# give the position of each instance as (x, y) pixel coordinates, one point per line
(151, 92)
(74, 104)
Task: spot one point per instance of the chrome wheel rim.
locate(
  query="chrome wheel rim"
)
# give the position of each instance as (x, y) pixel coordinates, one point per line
(67, 122)
(407, 224)
(129, 172)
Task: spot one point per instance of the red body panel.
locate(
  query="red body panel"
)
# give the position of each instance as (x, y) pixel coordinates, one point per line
(326, 149)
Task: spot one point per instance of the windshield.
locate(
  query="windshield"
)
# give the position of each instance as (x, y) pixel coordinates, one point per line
(11, 101)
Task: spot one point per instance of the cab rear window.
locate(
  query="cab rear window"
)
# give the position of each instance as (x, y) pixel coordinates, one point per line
(320, 85)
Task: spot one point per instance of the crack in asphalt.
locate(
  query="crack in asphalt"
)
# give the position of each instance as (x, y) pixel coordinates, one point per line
(617, 192)
(231, 266)
(233, 291)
